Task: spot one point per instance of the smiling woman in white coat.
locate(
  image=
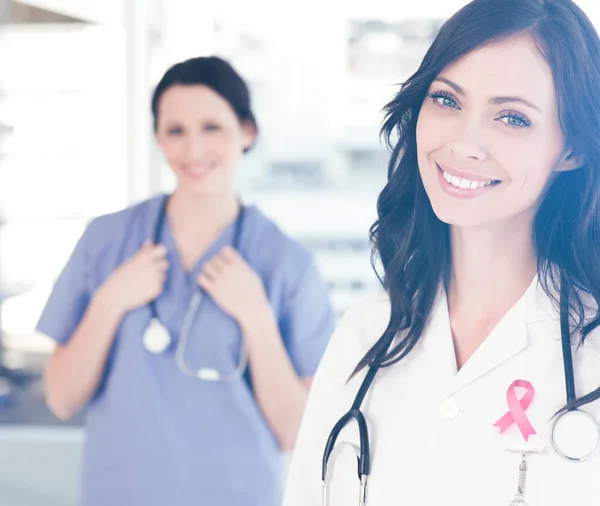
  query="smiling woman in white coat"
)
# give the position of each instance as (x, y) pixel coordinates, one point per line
(473, 378)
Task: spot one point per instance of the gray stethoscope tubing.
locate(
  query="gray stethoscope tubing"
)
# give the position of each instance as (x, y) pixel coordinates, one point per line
(159, 340)
(363, 453)
(362, 499)
(204, 373)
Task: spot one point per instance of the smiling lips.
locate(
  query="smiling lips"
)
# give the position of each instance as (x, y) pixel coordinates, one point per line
(198, 170)
(454, 183)
(462, 186)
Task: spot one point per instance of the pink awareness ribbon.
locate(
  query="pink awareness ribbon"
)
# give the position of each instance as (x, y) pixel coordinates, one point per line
(516, 409)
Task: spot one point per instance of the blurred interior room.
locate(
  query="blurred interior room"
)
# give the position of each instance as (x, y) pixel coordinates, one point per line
(75, 83)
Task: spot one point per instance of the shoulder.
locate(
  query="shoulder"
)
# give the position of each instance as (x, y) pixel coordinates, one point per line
(273, 238)
(110, 229)
(357, 331)
(592, 343)
(589, 306)
(587, 355)
(112, 223)
(368, 318)
(270, 248)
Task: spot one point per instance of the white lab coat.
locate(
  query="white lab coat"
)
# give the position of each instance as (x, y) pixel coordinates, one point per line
(433, 442)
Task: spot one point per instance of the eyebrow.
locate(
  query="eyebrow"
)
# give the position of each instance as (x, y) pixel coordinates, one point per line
(495, 100)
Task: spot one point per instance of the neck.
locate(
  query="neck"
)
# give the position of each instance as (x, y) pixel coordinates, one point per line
(201, 213)
(491, 269)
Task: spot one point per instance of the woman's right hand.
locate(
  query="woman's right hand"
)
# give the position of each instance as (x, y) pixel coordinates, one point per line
(75, 368)
(138, 280)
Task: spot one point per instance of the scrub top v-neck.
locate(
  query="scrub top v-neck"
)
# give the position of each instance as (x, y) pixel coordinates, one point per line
(154, 435)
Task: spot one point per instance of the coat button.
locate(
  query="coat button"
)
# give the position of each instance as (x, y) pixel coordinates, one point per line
(449, 408)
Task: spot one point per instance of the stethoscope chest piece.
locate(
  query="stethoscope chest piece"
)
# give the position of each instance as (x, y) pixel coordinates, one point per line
(575, 435)
(156, 337)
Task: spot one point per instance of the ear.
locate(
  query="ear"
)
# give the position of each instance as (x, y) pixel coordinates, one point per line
(248, 135)
(570, 161)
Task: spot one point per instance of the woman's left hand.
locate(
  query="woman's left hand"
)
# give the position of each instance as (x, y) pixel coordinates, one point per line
(233, 285)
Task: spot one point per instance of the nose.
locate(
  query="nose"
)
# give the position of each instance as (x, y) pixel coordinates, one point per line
(194, 147)
(468, 151)
(468, 143)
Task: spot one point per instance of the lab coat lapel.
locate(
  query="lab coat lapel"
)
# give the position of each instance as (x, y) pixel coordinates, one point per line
(508, 338)
(531, 320)
(438, 343)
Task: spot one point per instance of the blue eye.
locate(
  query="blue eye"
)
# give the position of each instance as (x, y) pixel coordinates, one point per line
(515, 119)
(444, 99)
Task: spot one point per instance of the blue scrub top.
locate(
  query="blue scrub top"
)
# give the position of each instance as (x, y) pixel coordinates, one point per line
(154, 435)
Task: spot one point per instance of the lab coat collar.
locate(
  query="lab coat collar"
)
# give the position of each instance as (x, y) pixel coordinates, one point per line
(510, 336)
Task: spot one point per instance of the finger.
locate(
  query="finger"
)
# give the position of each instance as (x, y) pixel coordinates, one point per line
(210, 271)
(146, 247)
(158, 251)
(206, 282)
(162, 265)
(219, 263)
(229, 254)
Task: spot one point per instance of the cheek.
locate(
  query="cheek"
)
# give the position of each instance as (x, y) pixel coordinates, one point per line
(432, 135)
(225, 144)
(527, 159)
(433, 131)
(170, 148)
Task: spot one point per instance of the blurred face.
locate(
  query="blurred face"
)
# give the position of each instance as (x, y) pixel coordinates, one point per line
(201, 138)
(488, 135)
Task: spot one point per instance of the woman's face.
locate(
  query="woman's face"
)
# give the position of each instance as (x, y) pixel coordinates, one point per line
(202, 139)
(488, 136)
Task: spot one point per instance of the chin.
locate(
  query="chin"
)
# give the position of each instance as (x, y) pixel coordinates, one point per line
(202, 191)
(201, 186)
(460, 218)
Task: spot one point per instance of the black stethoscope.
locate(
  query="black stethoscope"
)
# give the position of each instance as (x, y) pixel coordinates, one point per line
(363, 453)
(156, 337)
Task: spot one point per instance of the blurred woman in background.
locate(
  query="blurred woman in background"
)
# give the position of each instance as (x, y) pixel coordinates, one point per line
(161, 306)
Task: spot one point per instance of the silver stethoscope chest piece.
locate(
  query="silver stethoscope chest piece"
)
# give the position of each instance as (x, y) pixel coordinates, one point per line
(156, 337)
(575, 435)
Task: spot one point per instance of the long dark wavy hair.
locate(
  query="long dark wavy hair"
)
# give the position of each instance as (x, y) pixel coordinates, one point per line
(413, 245)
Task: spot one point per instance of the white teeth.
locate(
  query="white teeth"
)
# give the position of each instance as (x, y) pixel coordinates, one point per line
(465, 184)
